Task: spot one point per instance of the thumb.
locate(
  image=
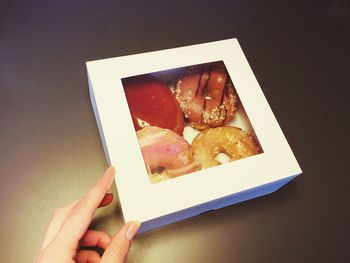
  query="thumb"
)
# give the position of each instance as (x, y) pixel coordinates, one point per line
(118, 249)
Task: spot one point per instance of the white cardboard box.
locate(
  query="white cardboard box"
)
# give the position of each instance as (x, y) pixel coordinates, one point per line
(162, 203)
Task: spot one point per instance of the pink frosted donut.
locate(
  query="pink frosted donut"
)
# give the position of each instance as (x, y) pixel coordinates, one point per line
(165, 149)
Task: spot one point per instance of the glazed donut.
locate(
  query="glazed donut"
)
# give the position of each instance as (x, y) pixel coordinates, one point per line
(206, 95)
(151, 102)
(232, 141)
(165, 149)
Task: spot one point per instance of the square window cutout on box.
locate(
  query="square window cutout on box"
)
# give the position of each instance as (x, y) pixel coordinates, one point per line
(188, 130)
(188, 119)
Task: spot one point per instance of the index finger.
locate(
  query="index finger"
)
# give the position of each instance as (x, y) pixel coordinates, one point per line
(79, 218)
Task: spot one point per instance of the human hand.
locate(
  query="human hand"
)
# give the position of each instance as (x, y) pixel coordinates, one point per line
(68, 230)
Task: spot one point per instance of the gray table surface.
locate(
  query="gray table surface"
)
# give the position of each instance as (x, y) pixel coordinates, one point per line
(50, 149)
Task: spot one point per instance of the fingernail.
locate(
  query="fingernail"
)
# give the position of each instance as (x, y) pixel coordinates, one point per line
(108, 171)
(134, 226)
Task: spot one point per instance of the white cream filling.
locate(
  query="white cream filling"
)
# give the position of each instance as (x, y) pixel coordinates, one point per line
(182, 169)
(151, 138)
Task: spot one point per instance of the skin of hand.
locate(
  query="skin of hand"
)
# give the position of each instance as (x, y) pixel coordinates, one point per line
(68, 230)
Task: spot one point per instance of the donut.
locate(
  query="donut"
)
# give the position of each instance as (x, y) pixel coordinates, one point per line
(151, 102)
(206, 95)
(232, 141)
(166, 154)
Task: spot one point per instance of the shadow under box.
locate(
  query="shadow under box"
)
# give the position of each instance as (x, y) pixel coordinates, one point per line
(187, 119)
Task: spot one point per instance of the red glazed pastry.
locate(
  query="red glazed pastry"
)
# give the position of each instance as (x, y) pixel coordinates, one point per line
(206, 95)
(151, 102)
